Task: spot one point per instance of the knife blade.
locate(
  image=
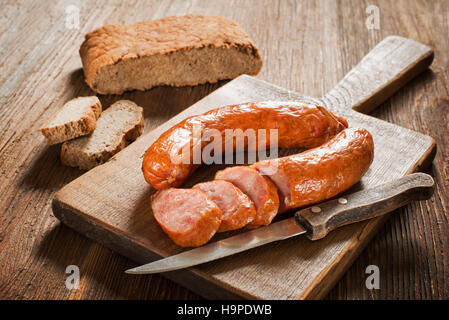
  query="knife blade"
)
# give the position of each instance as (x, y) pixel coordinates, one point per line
(316, 222)
(277, 231)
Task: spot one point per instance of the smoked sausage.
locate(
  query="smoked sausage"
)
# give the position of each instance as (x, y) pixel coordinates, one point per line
(258, 187)
(192, 216)
(323, 172)
(298, 126)
(237, 208)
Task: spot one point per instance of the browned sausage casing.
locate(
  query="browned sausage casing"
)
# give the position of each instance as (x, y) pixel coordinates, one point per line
(298, 127)
(323, 172)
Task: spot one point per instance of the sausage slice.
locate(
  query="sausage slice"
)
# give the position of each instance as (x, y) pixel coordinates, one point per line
(323, 172)
(237, 208)
(187, 216)
(258, 187)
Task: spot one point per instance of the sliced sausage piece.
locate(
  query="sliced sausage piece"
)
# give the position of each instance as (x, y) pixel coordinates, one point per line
(321, 173)
(298, 126)
(237, 208)
(258, 187)
(187, 216)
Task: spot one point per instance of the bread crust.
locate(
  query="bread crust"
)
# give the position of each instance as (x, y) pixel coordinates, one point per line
(75, 157)
(74, 128)
(113, 44)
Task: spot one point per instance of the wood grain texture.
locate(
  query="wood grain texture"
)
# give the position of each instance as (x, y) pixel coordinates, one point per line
(121, 217)
(307, 47)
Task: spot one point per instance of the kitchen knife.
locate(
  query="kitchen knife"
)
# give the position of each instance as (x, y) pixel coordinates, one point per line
(316, 222)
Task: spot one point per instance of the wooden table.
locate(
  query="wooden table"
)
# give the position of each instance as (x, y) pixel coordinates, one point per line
(307, 47)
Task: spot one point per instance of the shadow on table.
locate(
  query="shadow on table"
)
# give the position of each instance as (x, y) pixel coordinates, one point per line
(47, 172)
(386, 108)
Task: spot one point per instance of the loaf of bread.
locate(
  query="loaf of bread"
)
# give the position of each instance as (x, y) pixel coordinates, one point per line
(174, 51)
(76, 118)
(118, 126)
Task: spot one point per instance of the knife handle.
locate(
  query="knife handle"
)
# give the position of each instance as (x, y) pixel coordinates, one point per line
(319, 220)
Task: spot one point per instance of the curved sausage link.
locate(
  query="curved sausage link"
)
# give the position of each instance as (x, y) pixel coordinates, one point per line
(323, 172)
(298, 127)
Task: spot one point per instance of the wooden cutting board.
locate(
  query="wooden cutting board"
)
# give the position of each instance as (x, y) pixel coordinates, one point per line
(110, 204)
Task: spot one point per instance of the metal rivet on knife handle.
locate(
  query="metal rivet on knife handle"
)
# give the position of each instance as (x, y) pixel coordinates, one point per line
(365, 204)
(315, 209)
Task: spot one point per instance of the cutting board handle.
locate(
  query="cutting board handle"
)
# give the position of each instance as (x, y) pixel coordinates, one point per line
(382, 72)
(363, 205)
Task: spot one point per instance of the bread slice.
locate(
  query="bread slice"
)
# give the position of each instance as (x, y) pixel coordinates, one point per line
(118, 126)
(76, 118)
(175, 51)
